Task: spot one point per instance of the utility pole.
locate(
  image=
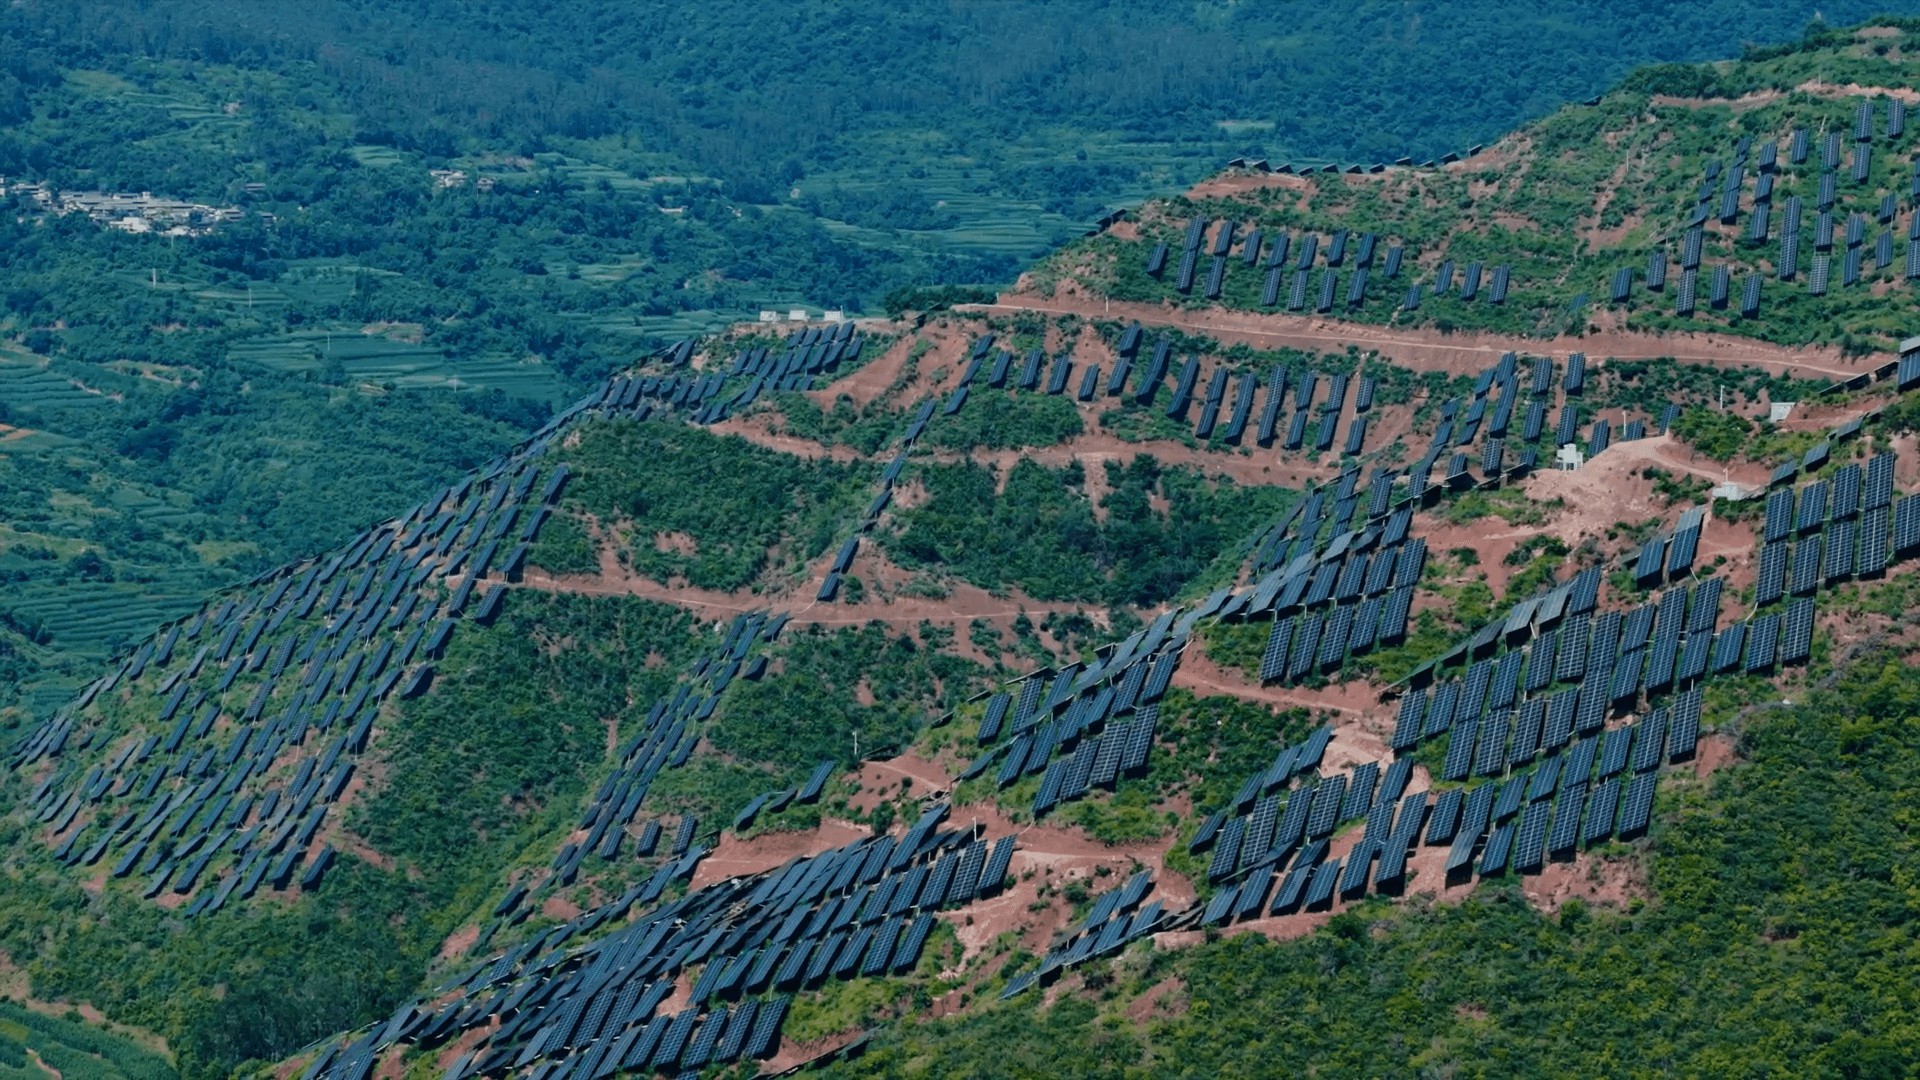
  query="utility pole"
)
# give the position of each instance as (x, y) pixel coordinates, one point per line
(856, 745)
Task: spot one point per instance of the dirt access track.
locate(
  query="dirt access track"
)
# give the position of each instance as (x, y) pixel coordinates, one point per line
(1427, 349)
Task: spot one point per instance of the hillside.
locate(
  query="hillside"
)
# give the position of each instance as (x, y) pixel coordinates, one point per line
(1663, 206)
(251, 263)
(1107, 678)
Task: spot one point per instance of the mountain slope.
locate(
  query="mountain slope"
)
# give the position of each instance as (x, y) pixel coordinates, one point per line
(1564, 205)
(1141, 691)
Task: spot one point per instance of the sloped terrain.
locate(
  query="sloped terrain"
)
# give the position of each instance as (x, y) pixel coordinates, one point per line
(1777, 180)
(1115, 685)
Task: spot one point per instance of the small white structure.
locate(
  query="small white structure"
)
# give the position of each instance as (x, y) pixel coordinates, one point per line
(1733, 492)
(769, 316)
(1568, 458)
(1779, 411)
(834, 316)
(797, 315)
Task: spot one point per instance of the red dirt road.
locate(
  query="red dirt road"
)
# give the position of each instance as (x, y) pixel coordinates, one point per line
(1426, 349)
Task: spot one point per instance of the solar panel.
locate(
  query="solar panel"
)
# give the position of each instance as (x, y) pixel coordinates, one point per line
(1846, 490)
(1490, 751)
(1183, 279)
(1216, 276)
(1602, 803)
(1637, 805)
(1906, 526)
(1727, 647)
(1408, 719)
(1565, 831)
(1796, 639)
(1380, 571)
(1624, 685)
(1499, 849)
(1571, 663)
(1576, 377)
(1502, 281)
(1334, 636)
(1878, 486)
(1779, 514)
(1651, 562)
(1873, 542)
(1601, 438)
(1320, 887)
(1813, 500)
(1359, 798)
(1459, 758)
(1806, 566)
(1750, 296)
(1683, 730)
(1622, 285)
(1030, 372)
(1680, 553)
(1693, 656)
(1297, 291)
(1413, 562)
(1445, 817)
(1090, 384)
(1472, 824)
(1309, 247)
(1818, 280)
(1763, 641)
(1541, 661)
(1841, 545)
(1226, 850)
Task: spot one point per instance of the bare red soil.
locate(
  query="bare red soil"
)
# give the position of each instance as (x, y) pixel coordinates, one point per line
(1587, 877)
(733, 857)
(1239, 183)
(963, 603)
(1048, 855)
(866, 385)
(1716, 750)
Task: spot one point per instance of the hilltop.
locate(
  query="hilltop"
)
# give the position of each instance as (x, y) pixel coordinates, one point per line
(1663, 207)
(1125, 679)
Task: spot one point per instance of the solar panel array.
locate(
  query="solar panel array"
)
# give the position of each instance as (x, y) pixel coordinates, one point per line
(564, 1001)
(266, 700)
